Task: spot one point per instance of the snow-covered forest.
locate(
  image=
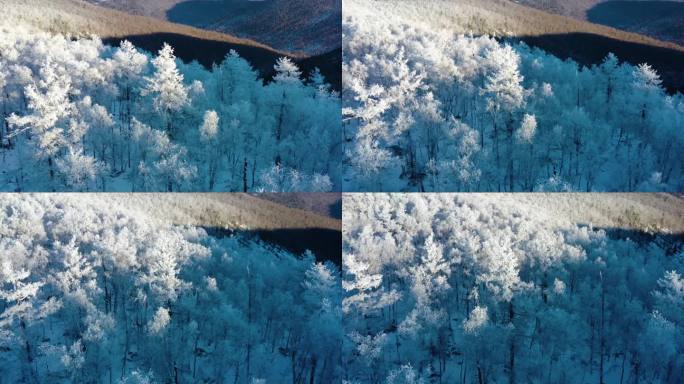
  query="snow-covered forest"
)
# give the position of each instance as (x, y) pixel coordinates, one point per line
(477, 288)
(428, 109)
(78, 115)
(95, 291)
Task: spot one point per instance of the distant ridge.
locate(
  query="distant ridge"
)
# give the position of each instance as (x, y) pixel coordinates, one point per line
(80, 18)
(660, 19)
(311, 27)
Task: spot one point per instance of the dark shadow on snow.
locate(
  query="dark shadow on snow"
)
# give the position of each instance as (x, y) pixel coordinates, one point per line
(336, 209)
(330, 65)
(208, 52)
(325, 243)
(201, 13)
(661, 19)
(590, 49)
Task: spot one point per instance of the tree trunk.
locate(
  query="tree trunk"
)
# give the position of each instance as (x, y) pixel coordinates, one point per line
(52, 172)
(509, 132)
(194, 359)
(496, 153)
(480, 376)
(244, 175)
(312, 373)
(249, 321)
(279, 130)
(511, 361)
(602, 334)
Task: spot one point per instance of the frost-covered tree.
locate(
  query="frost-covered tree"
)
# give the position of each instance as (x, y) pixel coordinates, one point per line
(19, 296)
(92, 290)
(489, 288)
(49, 108)
(543, 123)
(70, 113)
(166, 86)
(209, 136)
(162, 165)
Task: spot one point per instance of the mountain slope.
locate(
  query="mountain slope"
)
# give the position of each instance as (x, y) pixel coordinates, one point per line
(81, 19)
(503, 18)
(310, 26)
(233, 211)
(646, 212)
(659, 19)
(223, 214)
(325, 204)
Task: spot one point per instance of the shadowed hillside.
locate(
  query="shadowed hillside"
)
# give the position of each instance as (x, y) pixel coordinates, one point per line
(590, 49)
(310, 26)
(325, 244)
(79, 18)
(660, 19)
(573, 8)
(211, 51)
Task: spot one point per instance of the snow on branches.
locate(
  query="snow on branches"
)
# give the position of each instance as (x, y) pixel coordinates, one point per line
(73, 110)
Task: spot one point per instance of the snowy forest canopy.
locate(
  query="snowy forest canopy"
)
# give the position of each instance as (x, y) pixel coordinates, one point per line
(95, 292)
(78, 115)
(430, 110)
(446, 288)
(435, 288)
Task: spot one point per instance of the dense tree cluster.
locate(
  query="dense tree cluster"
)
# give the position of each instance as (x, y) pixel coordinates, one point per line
(430, 110)
(93, 292)
(444, 288)
(78, 115)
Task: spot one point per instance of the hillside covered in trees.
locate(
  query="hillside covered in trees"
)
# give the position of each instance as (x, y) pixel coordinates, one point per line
(513, 288)
(79, 115)
(429, 107)
(656, 18)
(95, 289)
(308, 26)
